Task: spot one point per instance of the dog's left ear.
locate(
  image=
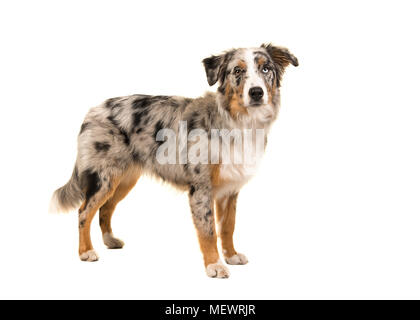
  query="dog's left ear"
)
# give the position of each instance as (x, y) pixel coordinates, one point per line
(281, 56)
(213, 68)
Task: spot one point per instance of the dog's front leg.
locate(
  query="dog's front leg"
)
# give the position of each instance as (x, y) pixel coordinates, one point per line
(201, 202)
(226, 212)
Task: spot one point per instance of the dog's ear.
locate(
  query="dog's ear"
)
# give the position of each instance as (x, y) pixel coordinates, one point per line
(281, 56)
(213, 66)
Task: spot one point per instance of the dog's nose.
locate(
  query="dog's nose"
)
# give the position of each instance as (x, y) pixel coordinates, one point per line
(256, 93)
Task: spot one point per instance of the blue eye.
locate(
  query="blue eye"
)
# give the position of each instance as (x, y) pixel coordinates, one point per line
(265, 69)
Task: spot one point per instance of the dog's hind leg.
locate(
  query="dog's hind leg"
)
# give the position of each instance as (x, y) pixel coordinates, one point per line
(97, 193)
(201, 202)
(226, 212)
(105, 212)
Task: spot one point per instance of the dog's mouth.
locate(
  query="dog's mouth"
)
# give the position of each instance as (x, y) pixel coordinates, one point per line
(255, 104)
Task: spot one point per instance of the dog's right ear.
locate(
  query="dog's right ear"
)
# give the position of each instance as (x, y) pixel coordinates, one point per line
(213, 66)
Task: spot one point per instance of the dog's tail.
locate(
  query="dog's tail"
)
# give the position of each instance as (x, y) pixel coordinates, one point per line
(67, 197)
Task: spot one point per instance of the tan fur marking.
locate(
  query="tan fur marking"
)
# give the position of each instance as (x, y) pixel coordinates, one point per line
(215, 176)
(235, 100)
(242, 64)
(83, 206)
(85, 243)
(208, 246)
(127, 183)
(226, 213)
(261, 61)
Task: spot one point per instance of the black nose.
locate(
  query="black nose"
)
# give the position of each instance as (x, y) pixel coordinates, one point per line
(256, 93)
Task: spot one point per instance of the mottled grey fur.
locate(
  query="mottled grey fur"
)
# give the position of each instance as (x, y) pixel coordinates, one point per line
(121, 133)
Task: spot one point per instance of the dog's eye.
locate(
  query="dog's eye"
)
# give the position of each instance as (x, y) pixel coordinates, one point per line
(265, 69)
(237, 70)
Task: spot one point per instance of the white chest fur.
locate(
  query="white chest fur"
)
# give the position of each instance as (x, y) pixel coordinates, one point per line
(235, 174)
(234, 177)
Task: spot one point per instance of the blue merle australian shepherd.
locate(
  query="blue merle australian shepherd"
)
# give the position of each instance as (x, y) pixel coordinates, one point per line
(119, 140)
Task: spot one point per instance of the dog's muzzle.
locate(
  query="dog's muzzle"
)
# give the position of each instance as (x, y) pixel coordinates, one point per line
(256, 94)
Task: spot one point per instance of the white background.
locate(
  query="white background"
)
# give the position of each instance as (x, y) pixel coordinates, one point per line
(334, 211)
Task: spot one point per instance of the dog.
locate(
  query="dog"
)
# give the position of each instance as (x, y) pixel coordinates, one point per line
(121, 139)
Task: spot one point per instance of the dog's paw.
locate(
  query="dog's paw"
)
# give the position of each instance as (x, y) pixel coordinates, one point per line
(90, 256)
(237, 259)
(217, 270)
(111, 242)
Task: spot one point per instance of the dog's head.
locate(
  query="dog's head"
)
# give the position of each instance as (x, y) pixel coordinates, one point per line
(249, 78)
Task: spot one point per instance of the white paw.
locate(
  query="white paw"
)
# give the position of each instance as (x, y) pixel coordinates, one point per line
(217, 270)
(90, 256)
(238, 258)
(111, 242)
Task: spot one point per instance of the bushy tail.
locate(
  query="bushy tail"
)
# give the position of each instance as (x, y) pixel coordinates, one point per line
(67, 197)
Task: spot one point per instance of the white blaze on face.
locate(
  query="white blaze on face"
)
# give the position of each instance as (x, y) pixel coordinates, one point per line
(254, 78)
